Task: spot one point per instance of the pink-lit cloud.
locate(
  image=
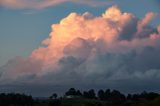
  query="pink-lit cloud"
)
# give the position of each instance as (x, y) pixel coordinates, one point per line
(100, 49)
(143, 23)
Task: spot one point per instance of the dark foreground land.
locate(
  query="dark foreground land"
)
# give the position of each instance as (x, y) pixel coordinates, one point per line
(88, 98)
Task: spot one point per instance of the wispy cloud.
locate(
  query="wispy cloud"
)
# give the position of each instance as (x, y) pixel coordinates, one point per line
(40, 4)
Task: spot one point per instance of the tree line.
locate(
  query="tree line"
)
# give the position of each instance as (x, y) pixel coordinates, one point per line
(74, 97)
(112, 98)
(15, 99)
(111, 95)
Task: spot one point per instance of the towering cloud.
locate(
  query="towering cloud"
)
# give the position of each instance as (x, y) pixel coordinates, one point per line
(113, 49)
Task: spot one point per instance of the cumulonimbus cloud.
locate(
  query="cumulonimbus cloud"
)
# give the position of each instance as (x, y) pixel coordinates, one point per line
(116, 47)
(40, 4)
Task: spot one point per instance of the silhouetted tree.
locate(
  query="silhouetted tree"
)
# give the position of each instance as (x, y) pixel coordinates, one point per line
(78, 93)
(54, 95)
(15, 100)
(71, 91)
(107, 95)
(90, 94)
(101, 94)
(135, 97)
(85, 94)
(129, 97)
(116, 96)
(152, 95)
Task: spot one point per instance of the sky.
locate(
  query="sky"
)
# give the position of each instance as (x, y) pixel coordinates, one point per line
(52, 45)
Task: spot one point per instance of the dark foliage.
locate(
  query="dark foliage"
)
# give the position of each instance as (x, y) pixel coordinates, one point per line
(90, 94)
(88, 98)
(73, 92)
(12, 99)
(53, 96)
